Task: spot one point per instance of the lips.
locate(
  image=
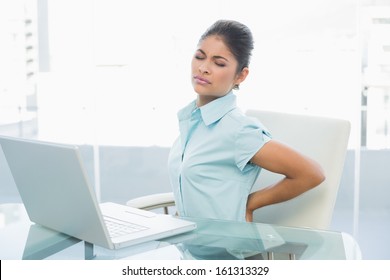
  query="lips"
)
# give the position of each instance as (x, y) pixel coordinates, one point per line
(201, 80)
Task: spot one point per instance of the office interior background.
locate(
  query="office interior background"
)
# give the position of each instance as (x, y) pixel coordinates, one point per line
(111, 75)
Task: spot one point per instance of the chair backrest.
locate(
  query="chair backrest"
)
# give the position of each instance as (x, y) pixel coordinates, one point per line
(324, 140)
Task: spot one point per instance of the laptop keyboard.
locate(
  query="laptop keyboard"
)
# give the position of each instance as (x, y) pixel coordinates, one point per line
(118, 228)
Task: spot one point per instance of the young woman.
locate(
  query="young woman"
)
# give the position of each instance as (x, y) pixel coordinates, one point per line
(218, 156)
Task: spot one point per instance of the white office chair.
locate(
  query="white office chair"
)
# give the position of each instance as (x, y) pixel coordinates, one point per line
(323, 139)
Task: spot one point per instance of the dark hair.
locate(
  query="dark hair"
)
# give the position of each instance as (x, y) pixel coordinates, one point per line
(237, 37)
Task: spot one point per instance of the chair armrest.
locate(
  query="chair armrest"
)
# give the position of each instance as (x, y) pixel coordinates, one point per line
(149, 202)
(351, 247)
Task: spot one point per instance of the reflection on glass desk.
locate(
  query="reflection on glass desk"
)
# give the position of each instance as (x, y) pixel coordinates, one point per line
(213, 239)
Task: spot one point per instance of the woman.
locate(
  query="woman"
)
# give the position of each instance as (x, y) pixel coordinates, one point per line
(220, 152)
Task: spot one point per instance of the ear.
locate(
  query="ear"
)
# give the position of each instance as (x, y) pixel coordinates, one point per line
(242, 75)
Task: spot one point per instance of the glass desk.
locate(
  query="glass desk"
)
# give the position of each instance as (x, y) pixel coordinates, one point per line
(213, 239)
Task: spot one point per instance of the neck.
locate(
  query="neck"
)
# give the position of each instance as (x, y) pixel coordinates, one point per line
(205, 99)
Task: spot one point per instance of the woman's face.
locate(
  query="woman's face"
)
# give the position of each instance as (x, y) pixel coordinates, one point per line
(214, 70)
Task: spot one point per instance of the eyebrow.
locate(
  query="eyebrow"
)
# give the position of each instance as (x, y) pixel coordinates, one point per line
(215, 56)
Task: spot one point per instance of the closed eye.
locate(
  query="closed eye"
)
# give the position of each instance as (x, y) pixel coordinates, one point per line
(220, 64)
(199, 54)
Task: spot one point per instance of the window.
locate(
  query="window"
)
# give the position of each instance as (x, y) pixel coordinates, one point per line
(18, 68)
(119, 70)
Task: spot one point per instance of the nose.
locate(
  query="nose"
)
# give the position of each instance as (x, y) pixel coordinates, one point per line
(204, 69)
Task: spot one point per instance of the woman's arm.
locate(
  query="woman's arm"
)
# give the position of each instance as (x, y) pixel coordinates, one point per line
(301, 174)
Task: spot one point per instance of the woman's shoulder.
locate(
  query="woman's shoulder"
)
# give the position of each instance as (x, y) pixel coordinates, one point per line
(242, 120)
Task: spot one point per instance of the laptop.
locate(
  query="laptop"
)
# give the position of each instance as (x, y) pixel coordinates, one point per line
(57, 194)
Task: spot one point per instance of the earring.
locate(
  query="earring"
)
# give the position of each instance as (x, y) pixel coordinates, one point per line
(236, 87)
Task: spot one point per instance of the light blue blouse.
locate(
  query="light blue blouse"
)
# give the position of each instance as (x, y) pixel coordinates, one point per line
(209, 166)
